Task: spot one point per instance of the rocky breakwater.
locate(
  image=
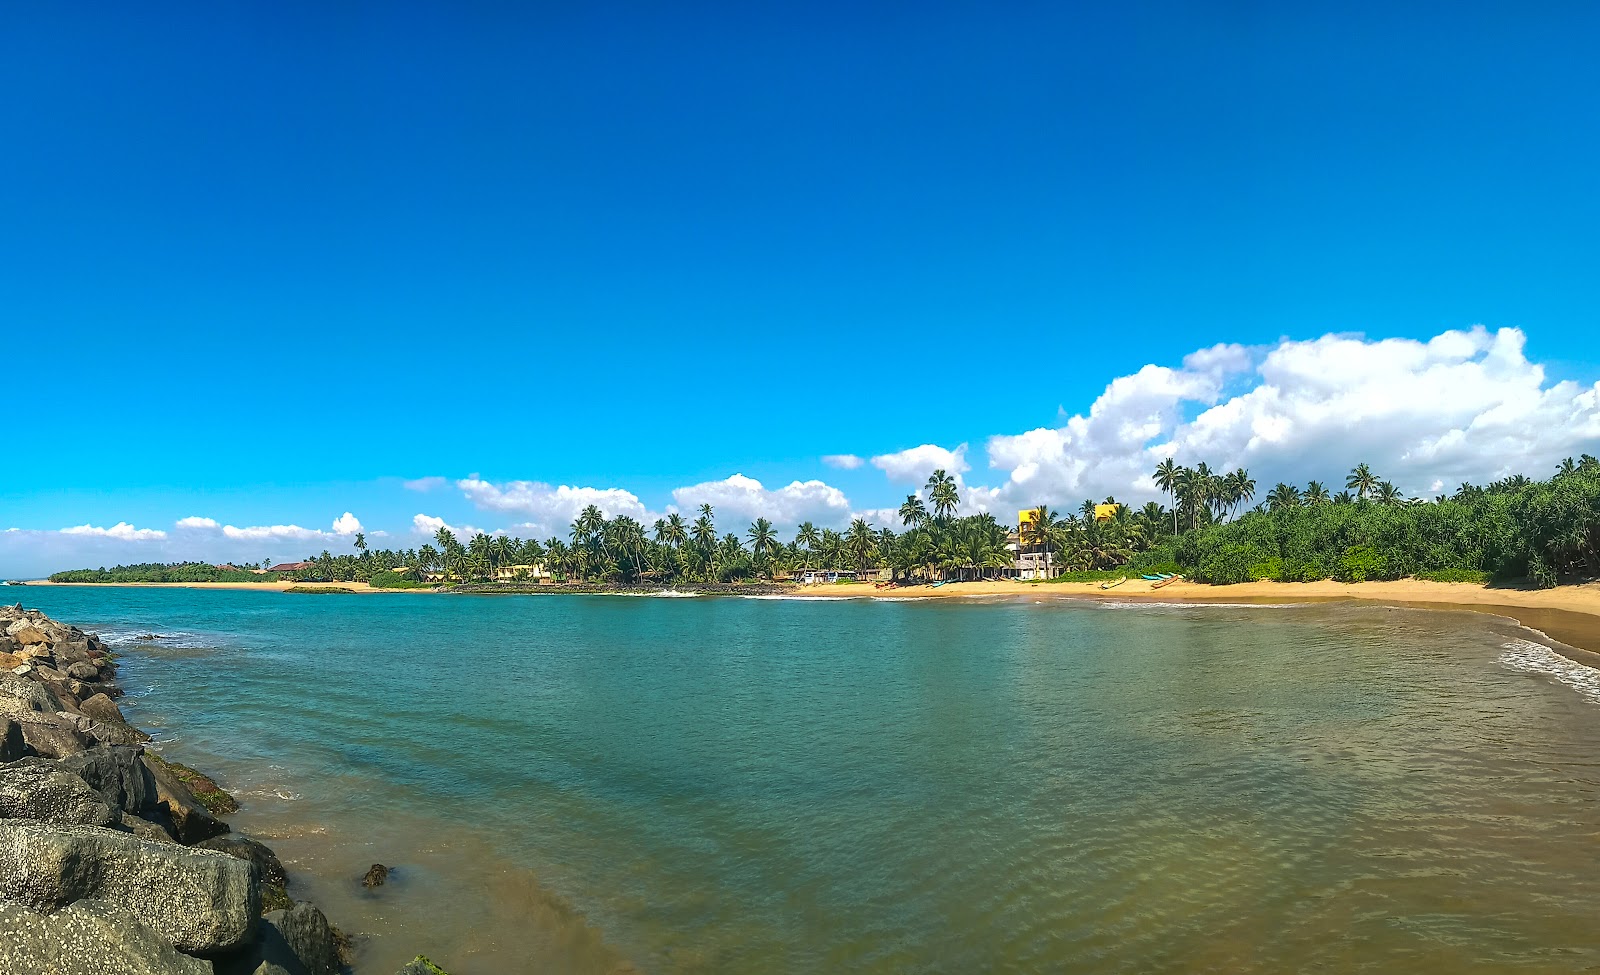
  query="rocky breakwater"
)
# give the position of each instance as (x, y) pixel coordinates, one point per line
(109, 864)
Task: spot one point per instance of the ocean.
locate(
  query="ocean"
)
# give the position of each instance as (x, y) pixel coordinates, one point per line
(594, 784)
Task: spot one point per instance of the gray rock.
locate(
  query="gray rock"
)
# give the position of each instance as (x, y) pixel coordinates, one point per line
(120, 776)
(116, 733)
(245, 848)
(12, 747)
(198, 900)
(102, 708)
(148, 830)
(83, 670)
(51, 736)
(191, 822)
(36, 789)
(20, 697)
(87, 938)
(298, 941)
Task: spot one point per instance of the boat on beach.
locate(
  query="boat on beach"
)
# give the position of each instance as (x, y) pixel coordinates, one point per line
(1113, 583)
(1167, 581)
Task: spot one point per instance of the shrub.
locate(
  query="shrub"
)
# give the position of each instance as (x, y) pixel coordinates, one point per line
(394, 580)
(1361, 563)
(1454, 575)
(1229, 564)
(1271, 569)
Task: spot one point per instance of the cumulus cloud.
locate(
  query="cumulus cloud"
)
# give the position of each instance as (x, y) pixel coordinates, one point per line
(845, 462)
(346, 524)
(122, 531)
(428, 526)
(1464, 405)
(746, 499)
(912, 466)
(196, 522)
(426, 484)
(550, 508)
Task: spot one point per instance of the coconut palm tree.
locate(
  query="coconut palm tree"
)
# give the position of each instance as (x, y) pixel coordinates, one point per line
(1315, 494)
(942, 492)
(1362, 481)
(1040, 531)
(1167, 480)
(913, 512)
(1283, 497)
(1388, 493)
(860, 542)
(763, 540)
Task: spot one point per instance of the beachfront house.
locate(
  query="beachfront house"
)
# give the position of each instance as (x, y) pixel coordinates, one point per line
(521, 573)
(817, 577)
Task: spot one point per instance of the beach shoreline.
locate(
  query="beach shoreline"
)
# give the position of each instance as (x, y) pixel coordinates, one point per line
(1569, 615)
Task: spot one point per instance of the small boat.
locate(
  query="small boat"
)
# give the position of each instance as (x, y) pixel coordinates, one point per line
(1151, 578)
(941, 582)
(1169, 580)
(1112, 584)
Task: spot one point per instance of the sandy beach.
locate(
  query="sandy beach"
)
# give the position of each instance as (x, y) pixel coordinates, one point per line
(1567, 614)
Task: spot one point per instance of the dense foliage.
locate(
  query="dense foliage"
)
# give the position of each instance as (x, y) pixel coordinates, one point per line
(156, 572)
(1543, 531)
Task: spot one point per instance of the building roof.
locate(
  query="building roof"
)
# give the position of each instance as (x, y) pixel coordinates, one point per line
(290, 567)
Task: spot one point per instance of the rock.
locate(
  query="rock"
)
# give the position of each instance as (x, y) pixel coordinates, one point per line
(420, 965)
(191, 822)
(36, 789)
(8, 645)
(87, 938)
(73, 649)
(102, 708)
(83, 670)
(298, 941)
(26, 634)
(245, 848)
(123, 781)
(147, 829)
(19, 696)
(10, 661)
(53, 737)
(198, 900)
(12, 747)
(376, 875)
(116, 733)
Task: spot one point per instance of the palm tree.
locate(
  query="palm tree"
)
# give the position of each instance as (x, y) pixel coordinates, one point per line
(913, 512)
(1283, 497)
(1568, 466)
(860, 542)
(763, 540)
(1362, 481)
(1389, 494)
(361, 542)
(1239, 488)
(1343, 497)
(1316, 493)
(1167, 480)
(704, 531)
(1039, 531)
(942, 492)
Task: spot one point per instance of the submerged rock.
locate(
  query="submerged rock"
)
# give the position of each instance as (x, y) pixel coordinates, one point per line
(376, 875)
(87, 938)
(198, 900)
(420, 965)
(39, 790)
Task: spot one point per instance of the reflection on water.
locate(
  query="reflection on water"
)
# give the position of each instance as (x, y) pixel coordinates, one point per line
(723, 785)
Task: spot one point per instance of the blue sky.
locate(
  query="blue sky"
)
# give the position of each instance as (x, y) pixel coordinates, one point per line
(263, 263)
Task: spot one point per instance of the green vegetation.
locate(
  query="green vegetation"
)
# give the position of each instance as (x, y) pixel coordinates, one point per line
(388, 579)
(319, 590)
(177, 572)
(212, 796)
(1545, 532)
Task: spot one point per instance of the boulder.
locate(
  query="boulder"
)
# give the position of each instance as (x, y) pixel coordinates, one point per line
(73, 649)
(116, 733)
(19, 696)
(148, 830)
(26, 634)
(36, 789)
(199, 901)
(376, 875)
(121, 778)
(10, 661)
(8, 645)
(191, 822)
(245, 848)
(83, 670)
(53, 737)
(87, 938)
(420, 965)
(297, 941)
(12, 747)
(102, 708)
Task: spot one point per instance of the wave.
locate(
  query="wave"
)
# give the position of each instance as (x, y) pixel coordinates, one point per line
(1154, 604)
(114, 636)
(1536, 658)
(804, 599)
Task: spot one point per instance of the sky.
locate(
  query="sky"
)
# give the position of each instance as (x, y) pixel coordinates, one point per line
(274, 273)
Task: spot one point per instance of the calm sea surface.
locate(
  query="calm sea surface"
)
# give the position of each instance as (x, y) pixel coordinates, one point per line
(725, 785)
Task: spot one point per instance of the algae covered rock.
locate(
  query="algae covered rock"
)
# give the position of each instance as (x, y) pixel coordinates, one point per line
(191, 821)
(420, 965)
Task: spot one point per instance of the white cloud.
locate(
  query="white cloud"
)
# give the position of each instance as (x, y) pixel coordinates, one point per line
(121, 531)
(743, 499)
(846, 462)
(428, 526)
(912, 466)
(425, 484)
(551, 509)
(1464, 405)
(346, 524)
(194, 521)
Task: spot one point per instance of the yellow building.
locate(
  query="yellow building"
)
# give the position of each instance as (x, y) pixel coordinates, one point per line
(1105, 512)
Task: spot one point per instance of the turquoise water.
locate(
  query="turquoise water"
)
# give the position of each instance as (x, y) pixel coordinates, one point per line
(601, 784)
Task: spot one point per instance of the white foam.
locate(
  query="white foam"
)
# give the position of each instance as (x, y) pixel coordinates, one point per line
(1152, 603)
(804, 599)
(1536, 658)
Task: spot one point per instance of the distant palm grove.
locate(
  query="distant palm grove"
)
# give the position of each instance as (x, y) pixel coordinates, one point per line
(1543, 531)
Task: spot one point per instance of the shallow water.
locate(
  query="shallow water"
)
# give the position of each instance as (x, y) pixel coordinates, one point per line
(593, 784)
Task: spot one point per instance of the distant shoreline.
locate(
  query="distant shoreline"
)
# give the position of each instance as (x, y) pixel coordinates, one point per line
(1569, 615)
